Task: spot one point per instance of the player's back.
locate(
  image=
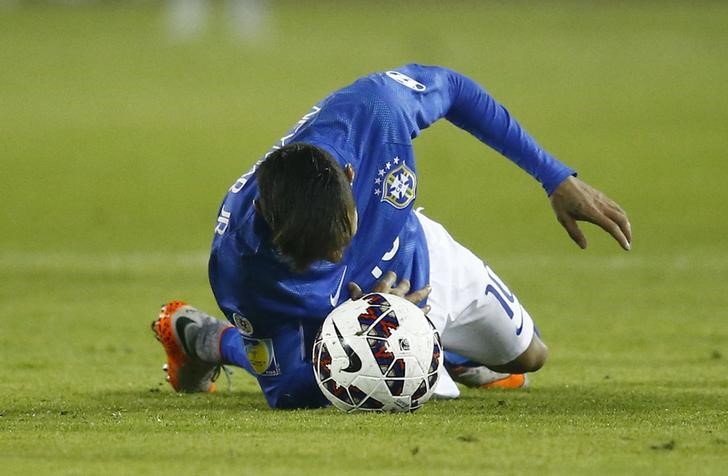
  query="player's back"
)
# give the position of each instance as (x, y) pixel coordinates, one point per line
(369, 125)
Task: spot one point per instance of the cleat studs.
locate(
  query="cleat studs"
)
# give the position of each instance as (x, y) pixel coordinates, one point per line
(168, 378)
(165, 367)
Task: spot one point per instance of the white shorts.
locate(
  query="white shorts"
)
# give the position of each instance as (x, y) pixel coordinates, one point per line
(477, 316)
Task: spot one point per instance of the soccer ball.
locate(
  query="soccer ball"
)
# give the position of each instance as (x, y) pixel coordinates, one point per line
(377, 353)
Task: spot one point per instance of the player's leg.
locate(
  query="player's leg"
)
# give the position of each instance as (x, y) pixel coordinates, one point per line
(191, 340)
(489, 324)
(478, 316)
(198, 345)
(281, 362)
(530, 360)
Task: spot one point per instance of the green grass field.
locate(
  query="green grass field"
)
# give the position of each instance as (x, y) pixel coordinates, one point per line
(117, 144)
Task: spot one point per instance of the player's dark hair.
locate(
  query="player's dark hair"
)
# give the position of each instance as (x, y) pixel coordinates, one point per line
(306, 199)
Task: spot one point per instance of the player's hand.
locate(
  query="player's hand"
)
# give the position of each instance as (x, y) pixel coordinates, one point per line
(576, 200)
(388, 284)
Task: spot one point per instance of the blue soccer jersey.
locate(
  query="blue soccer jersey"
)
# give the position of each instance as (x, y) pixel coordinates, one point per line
(369, 124)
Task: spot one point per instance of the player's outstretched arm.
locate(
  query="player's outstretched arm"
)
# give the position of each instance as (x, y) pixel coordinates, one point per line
(575, 200)
(388, 284)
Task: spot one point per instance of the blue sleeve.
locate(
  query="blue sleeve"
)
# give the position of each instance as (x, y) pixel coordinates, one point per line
(468, 106)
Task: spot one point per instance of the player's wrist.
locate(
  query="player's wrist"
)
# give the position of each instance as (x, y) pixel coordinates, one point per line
(555, 182)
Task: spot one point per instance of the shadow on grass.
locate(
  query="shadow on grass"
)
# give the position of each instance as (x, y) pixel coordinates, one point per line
(626, 399)
(135, 401)
(162, 398)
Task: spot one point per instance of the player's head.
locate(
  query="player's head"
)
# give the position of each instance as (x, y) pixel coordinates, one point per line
(305, 197)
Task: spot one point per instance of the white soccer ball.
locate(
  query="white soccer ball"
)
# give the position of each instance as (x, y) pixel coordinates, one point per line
(377, 353)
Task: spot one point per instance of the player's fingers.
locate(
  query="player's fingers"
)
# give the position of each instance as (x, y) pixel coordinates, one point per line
(613, 213)
(385, 284)
(419, 295)
(355, 291)
(573, 230)
(426, 309)
(402, 288)
(608, 225)
(618, 216)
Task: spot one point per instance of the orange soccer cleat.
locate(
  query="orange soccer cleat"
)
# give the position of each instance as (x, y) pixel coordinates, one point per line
(480, 376)
(510, 382)
(191, 340)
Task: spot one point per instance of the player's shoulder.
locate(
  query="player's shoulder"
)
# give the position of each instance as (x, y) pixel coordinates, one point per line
(393, 78)
(237, 224)
(415, 78)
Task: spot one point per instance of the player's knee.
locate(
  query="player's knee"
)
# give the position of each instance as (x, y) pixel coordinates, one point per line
(531, 360)
(526, 362)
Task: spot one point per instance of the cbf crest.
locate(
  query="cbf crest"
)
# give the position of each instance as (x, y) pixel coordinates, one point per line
(243, 324)
(396, 183)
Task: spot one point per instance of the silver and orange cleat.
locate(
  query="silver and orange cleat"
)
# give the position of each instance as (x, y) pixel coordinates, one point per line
(191, 340)
(480, 376)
